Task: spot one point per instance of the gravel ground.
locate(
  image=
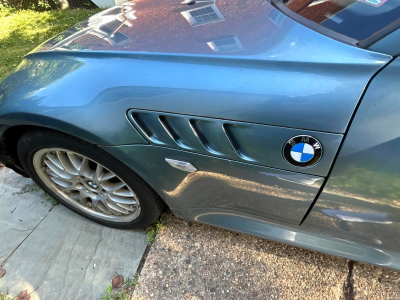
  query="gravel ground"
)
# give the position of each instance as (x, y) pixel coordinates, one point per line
(196, 261)
(371, 282)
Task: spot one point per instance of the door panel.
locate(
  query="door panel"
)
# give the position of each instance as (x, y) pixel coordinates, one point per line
(220, 183)
(361, 200)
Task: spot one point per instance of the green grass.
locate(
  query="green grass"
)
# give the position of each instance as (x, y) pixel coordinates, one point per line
(33, 187)
(153, 229)
(123, 293)
(130, 282)
(50, 199)
(21, 31)
(3, 296)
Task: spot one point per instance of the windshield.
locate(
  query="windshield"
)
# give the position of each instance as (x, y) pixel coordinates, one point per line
(357, 19)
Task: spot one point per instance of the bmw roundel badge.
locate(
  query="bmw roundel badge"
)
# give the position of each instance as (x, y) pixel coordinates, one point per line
(302, 151)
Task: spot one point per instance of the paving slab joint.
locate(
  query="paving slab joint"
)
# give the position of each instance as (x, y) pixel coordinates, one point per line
(8, 257)
(141, 265)
(348, 285)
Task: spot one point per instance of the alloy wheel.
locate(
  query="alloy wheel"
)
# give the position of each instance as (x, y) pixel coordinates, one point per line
(86, 185)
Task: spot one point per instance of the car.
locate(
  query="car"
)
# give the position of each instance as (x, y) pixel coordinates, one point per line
(278, 119)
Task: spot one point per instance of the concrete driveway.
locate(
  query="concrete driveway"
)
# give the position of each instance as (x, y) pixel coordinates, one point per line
(55, 254)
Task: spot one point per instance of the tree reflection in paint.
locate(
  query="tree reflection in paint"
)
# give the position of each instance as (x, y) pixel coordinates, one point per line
(35, 74)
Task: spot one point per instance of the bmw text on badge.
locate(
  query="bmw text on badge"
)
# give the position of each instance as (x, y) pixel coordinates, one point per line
(302, 151)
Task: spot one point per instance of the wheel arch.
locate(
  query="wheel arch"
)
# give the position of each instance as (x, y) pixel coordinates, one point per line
(19, 123)
(33, 145)
(10, 140)
(12, 134)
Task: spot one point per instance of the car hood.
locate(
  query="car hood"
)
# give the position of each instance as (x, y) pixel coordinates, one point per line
(239, 27)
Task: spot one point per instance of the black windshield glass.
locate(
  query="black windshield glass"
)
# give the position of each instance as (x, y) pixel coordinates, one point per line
(356, 19)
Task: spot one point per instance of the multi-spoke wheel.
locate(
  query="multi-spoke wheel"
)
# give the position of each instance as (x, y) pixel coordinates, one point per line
(86, 184)
(88, 180)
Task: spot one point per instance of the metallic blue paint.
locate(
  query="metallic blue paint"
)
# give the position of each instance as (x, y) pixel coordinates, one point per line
(361, 201)
(285, 75)
(261, 73)
(389, 44)
(221, 183)
(44, 92)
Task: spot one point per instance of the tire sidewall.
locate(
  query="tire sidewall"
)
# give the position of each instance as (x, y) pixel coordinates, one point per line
(32, 142)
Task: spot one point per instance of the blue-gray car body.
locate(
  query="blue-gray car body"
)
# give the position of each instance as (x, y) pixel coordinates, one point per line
(148, 80)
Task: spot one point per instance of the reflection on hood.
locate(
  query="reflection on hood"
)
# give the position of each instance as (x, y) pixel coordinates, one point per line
(171, 26)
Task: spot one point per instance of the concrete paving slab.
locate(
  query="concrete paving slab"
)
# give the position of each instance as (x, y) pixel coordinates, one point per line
(69, 257)
(23, 207)
(195, 261)
(371, 282)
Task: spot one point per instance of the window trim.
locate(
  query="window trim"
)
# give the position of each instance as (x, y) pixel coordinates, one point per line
(279, 15)
(385, 31)
(314, 26)
(364, 44)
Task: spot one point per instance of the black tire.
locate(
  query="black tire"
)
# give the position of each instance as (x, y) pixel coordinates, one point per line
(151, 204)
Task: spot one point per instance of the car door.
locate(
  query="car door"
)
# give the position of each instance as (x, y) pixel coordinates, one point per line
(361, 200)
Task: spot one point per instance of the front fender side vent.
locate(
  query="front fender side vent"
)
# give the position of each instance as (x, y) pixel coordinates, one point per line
(171, 132)
(240, 141)
(202, 135)
(202, 139)
(141, 126)
(180, 131)
(234, 144)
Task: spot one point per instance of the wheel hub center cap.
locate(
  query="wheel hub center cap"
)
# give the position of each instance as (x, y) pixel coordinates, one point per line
(92, 184)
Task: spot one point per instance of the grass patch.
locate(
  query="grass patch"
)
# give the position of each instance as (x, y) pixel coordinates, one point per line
(153, 229)
(123, 293)
(23, 30)
(50, 199)
(31, 188)
(130, 283)
(3, 296)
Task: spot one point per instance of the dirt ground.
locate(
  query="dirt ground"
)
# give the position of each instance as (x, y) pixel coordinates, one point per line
(195, 261)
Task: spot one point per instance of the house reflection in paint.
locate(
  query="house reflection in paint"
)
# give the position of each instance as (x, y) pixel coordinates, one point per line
(102, 30)
(226, 44)
(209, 13)
(170, 26)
